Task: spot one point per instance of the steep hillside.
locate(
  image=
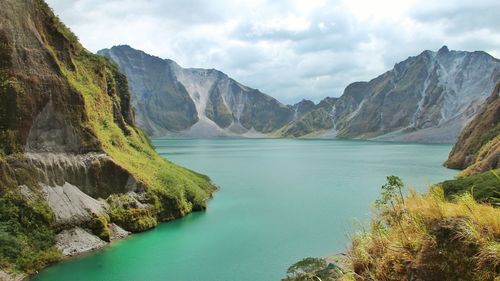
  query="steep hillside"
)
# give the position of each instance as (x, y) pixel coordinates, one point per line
(74, 168)
(171, 100)
(478, 147)
(426, 98)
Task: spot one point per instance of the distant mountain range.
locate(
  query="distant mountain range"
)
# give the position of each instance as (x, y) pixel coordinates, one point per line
(426, 98)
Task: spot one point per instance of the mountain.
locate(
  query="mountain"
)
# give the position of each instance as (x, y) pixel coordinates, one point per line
(75, 171)
(171, 100)
(427, 98)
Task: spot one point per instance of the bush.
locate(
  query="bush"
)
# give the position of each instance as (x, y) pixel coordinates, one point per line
(484, 187)
(27, 241)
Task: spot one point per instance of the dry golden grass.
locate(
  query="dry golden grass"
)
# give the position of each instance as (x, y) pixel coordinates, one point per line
(429, 238)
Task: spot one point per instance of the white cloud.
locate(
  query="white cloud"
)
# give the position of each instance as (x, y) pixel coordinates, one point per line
(288, 49)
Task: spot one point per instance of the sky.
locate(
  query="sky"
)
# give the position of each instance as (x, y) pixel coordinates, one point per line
(288, 49)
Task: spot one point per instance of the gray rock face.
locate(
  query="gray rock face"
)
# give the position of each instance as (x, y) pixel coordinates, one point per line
(70, 205)
(426, 98)
(51, 131)
(162, 103)
(429, 97)
(171, 100)
(96, 174)
(75, 241)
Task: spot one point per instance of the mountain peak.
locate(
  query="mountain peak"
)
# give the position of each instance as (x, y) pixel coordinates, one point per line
(443, 50)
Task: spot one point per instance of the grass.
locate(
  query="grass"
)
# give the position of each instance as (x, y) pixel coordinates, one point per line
(429, 238)
(417, 237)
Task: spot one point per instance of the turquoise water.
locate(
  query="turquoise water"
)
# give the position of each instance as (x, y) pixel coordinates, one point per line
(280, 200)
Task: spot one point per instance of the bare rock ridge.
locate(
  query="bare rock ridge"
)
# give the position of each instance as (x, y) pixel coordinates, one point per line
(478, 147)
(427, 98)
(75, 171)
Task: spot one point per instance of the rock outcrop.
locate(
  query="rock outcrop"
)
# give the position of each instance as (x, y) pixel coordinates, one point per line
(175, 101)
(73, 164)
(478, 147)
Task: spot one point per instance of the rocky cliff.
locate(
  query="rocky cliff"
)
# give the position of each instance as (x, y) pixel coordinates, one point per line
(73, 165)
(478, 147)
(426, 98)
(171, 100)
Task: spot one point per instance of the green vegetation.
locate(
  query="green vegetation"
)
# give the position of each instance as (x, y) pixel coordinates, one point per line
(27, 240)
(419, 237)
(99, 226)
(484, 187)
(126, 212)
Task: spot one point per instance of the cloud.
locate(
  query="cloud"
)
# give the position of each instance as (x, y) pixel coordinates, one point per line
(289, 49)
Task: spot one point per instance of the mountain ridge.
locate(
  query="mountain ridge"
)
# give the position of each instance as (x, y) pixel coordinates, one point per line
(425, 98)
(222, 106)
(420, 105)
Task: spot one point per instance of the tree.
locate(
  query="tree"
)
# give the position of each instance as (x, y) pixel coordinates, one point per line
(392, 194)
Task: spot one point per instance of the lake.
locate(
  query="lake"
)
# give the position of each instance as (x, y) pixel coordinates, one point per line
(280, 200)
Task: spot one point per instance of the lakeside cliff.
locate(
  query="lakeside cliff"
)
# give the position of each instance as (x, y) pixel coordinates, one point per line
(75, 170)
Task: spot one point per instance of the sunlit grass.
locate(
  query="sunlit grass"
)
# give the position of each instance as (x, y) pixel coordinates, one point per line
(427, 235)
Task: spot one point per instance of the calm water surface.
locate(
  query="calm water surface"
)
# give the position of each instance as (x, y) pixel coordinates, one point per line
(280, 200)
